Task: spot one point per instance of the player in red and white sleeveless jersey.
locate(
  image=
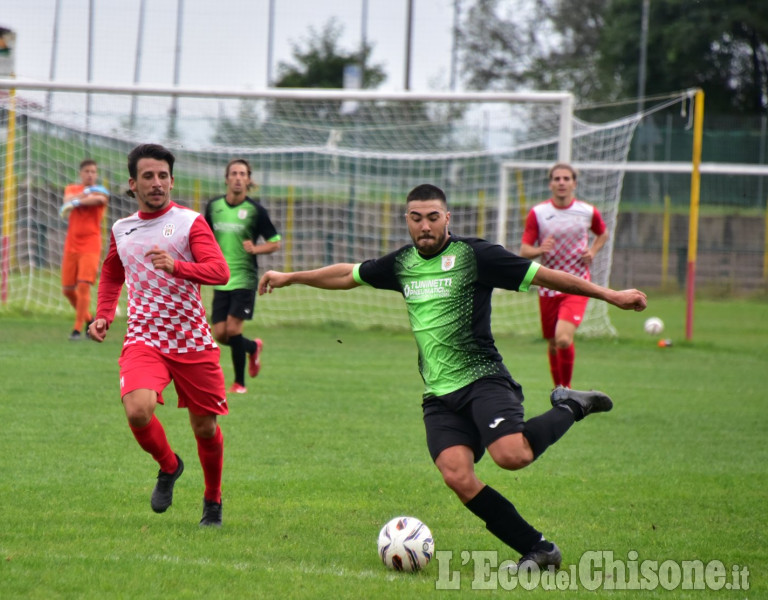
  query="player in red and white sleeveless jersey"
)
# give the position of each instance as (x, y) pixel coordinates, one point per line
(557, 234)
(163, 253)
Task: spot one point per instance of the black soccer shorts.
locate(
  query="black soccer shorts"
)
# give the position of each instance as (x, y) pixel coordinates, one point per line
(237, 303)
(476, 415)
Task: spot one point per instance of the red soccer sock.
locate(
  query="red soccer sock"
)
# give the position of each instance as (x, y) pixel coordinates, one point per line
(566, 357)
(554, 367)
(211, 453)
(152, 439)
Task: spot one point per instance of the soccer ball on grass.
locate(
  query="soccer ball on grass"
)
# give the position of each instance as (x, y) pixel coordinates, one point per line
(405, 544)
(653, 326)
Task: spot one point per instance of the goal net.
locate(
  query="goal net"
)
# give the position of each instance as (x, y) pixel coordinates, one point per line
(332, 169)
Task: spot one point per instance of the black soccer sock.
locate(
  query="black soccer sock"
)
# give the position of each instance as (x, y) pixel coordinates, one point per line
(502, 520)
(237, 345)
(544, 430)
(248, 345)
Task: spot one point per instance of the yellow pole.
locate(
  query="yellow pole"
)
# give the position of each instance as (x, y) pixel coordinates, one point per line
(289, 229)
(665, 241)
(693, 226)
(521, 193)
(9, 197)
(481, 214)
(196, 196)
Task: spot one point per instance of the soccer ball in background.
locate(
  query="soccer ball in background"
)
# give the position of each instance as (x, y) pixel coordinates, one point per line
(406, 544)
(653, 326)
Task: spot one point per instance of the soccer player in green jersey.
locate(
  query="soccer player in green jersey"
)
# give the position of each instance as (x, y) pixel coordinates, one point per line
(238, 222)
(470, 402)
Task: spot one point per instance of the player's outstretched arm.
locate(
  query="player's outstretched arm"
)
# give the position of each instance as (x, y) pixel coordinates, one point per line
(569, 284)
(332, 277)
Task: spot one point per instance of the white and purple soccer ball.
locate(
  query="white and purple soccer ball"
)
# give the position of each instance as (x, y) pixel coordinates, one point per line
(406, 544)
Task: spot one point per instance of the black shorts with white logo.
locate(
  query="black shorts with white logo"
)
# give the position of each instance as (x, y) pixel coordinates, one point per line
(237, 303)
(476, 415)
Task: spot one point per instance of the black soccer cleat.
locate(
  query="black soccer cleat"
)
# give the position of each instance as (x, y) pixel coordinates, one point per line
(162, 495)
(543, 554)
(211, 514)
(589, 402)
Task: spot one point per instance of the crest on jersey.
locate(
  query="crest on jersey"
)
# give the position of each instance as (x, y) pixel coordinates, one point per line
(448, 262)
(168, 229)
(242, 213)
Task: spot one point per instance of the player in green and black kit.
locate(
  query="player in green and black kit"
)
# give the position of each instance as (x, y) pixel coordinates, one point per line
(470, 402)
(238, 222)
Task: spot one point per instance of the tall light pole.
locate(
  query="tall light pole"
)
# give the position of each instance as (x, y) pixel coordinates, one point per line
(270, 40)
(455, 44)
(54, 52)
(643, 55)
(90, 65)
(137, 61)
(176, 68)
(363, 41)
(408, 36)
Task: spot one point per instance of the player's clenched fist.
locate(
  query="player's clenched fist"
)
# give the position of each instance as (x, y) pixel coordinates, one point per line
(271, 280)
(98, 330)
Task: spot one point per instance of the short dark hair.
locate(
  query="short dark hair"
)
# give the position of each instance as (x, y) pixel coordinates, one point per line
(87, 163)
(426, 191)
(155, 151)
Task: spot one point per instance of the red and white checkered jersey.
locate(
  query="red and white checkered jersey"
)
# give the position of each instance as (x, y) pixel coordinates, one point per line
(570, 227)
(164, 311)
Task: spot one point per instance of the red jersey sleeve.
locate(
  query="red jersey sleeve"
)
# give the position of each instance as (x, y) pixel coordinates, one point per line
(210, 267)
(110, 283)
(531, 232)
(598, 225)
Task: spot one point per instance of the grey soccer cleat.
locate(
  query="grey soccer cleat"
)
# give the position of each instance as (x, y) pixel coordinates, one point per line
(543, 554)
(162, 495)
(211, 514)
(589, 402)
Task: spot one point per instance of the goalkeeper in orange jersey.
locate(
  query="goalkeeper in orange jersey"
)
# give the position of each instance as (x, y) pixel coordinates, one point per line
(84, 206)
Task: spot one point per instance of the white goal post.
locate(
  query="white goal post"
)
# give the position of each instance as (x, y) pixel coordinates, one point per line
(333, 168)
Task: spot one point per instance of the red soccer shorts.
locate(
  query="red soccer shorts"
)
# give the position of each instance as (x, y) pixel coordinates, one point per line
(197, 377)
(562, 307)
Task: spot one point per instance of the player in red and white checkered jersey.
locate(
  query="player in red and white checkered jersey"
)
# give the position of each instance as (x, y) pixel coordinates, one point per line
(163, 253)
(557, 234)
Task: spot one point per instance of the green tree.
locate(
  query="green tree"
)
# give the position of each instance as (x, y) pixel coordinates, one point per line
(592, 47)
(321, 63)
(720, 46)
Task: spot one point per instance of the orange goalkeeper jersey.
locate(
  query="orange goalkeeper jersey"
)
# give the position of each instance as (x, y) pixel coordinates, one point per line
(84, 230)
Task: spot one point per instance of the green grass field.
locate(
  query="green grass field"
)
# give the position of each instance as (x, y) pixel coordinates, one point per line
(328, 445)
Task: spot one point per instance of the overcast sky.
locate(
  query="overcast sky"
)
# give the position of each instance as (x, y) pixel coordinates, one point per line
(224, 42)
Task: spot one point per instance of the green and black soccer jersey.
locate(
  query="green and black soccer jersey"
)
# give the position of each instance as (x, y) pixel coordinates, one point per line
(448, 297)
(232, 225)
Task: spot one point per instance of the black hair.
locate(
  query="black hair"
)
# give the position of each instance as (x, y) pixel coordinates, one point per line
(426, 191)
(155, 151)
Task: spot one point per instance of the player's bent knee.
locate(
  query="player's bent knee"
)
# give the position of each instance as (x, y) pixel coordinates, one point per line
(137, 417)
(458, 481)
(139, 407)
(203, 426)
(513, 459)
